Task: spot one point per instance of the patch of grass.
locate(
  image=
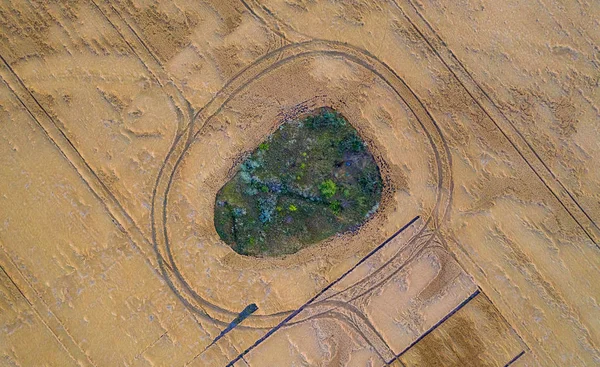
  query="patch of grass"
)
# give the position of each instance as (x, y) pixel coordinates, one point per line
(312, 178)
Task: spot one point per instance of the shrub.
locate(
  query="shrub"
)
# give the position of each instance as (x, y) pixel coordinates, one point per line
(250, 191)
(326, 119)
(266, 205)
(327, 188)
(250, 165)
(238, 212)
(352, 143)
(245, 177)
(369, 182)
(335, 207)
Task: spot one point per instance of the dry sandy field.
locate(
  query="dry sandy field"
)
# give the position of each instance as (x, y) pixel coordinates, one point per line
(120, 120)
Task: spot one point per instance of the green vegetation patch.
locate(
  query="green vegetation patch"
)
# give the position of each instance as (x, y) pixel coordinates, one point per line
(312, 178)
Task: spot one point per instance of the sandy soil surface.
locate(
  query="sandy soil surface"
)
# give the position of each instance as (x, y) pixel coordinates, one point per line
(120, 121)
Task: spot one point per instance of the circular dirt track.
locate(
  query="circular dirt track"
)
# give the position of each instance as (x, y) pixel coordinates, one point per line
(206, 273)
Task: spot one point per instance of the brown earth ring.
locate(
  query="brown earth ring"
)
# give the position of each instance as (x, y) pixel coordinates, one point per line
(183, 142)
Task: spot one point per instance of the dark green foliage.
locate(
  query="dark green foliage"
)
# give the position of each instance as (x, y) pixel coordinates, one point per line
(335, 207)
(309, 180)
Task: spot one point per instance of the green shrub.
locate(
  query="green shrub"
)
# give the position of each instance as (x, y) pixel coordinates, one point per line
(336, 207)
(328, 188)
(352, 143)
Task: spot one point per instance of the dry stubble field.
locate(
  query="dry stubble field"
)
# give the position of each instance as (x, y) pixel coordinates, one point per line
(120, 121)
